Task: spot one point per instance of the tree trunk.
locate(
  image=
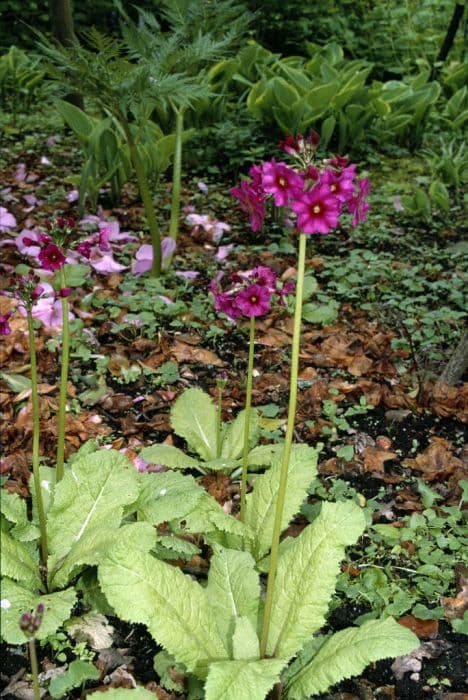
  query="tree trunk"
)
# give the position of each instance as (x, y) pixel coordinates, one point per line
(449, 37)
(61, 19)
(457, 364)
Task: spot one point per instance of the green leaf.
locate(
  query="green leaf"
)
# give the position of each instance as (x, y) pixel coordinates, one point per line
(17, 563)
(263, 455)
(347, 653)
(76, 119)
(138, 693)
(261, 503)
(242, 680)
(75, 275)
(306, 576)
(320, 313)
(173, 606)
(207, 517)
(13, 508)
(16, 382)
(88, 506)
(245, 644)
(167, 496)
(193, 417)
(233, 441)
(77, 673)
(233, 589)
(169, 456)
(16, 600)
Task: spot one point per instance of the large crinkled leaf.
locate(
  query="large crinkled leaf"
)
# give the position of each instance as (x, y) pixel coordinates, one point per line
(347, 653)
(17, 600)
(91, 550)
(261, 503)
(242, 680)
(193, 417)
(47, 479)
(13, 508)
(263, 455)
(173, 606)
(18, 564)
(208, 517)
(306, 576)
(233, 441)
(245, 642)
(233, 589)
(169, 456)
(166, 496)
(88, 502)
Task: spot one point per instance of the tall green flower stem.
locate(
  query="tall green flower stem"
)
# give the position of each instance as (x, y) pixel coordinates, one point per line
(146, 198)
(176, 172)
(248, 405)
(34, 668)
(65, 359)
(35, 444)
(287, 446)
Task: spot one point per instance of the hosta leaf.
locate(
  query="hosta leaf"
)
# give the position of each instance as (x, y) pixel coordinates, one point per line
(173, 606)
(193, 417)
(88, 502)
(261, 503)
(169, 456)
(16, 600)
(233, 589)
(306, 576)
(233, 441)
(242, 680)
(348, 652)
(245, 643)
(17, 563)
(166, 496)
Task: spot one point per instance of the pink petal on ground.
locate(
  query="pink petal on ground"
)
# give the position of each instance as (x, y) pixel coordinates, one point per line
(188, 274)
(73, 196)
(45, 161)
(20, 174)
(223, 251)
(203, 187)
(7, 220)
(105, 264)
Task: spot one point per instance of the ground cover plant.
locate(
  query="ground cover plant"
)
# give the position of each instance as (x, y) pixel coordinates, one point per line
(210, 474)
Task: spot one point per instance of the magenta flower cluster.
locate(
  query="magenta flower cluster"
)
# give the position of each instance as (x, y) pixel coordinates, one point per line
(250, 293)
(316, 193)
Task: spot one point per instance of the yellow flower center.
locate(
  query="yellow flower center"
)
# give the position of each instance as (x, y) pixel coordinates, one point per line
(282, 182)
(317, 209)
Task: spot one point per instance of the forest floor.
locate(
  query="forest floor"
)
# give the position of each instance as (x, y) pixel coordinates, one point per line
(391, 296)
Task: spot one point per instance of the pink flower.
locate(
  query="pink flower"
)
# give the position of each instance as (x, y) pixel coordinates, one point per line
(4, 325)
(280, 181)
(252, 201)
(224, 301)
(51, 257)
(358, 205)
(255, 300)
(7, 220)
(265, 277)
(223, 251)
(317, 211)
(203, 187)
(341, 183)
